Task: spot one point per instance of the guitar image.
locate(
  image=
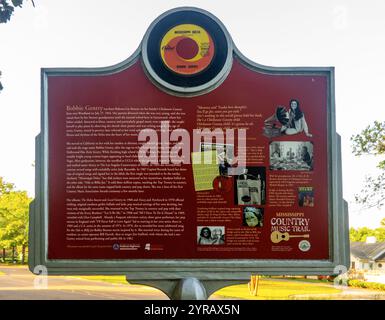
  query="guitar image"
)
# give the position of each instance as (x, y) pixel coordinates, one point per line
(277, 236)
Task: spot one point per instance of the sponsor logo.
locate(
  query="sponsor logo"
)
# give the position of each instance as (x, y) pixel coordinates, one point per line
(304, 245)
(153, 247)
(126, 246)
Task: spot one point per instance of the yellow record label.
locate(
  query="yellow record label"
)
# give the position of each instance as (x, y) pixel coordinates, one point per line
(187, 49)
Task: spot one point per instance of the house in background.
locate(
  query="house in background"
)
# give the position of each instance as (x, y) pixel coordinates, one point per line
(368, 256)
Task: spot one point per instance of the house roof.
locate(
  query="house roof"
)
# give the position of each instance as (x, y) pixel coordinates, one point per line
(381, 256)
(368, 251)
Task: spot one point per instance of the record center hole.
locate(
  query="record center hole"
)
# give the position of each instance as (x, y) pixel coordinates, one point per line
(187, 48)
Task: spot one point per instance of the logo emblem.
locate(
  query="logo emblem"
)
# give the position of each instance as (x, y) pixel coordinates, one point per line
(304, 245)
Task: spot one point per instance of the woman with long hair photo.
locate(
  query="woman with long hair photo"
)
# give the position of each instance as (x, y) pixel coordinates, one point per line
(297, 122)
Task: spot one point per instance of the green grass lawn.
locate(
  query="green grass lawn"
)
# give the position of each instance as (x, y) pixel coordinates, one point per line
(110, 279)
(269, 289)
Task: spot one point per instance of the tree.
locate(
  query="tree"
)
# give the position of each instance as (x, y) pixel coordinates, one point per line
(7, 7)
(371, 141)
(5, 187)
(14, 208)
(361, 234)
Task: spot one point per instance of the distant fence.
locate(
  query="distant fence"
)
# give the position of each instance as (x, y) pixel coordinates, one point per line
(14, 255)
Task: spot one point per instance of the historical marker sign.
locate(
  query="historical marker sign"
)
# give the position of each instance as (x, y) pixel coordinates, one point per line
(187, 159)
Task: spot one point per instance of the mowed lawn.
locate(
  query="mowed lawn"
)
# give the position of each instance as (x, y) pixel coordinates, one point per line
(268, 289)
(275, 289)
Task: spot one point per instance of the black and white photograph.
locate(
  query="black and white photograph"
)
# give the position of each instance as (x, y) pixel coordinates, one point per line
(210, 235)
(286, 121)
(291, 155)
(250, 186)
(252, 216)
(225, 155)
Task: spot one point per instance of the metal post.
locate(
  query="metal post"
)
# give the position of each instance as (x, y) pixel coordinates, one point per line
(189, 289)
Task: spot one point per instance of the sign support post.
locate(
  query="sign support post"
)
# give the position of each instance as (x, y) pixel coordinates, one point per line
(188, 288)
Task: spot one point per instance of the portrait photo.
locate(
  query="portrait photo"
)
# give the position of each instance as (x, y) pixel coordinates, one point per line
(210, 235)
(252, 216)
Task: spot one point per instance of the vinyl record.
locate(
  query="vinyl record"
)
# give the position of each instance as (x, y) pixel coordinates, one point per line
(187, 49)
(187, 52)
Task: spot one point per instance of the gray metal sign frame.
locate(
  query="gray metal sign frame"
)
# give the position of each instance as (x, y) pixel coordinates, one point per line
(157, 272)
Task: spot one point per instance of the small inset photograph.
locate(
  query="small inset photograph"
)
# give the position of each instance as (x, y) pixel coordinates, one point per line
(225, 155)
(210, 235)
(291, 155)
(286, 121)
(306, 197)
(252, 216)
(250, 186)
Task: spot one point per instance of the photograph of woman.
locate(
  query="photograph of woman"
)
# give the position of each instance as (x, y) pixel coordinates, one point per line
(252, 217)
(205, 236)
(211, 235)
(297, 122)
(284, 122)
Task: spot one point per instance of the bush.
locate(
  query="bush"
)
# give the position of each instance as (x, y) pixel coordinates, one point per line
(326, 278)
(366, 285)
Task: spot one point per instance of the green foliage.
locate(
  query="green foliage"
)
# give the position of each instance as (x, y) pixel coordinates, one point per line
(366, 285)
(361, 234)
(7, 8)
(5, 187)
(6, 11)
(373, 192)
(17, 3)
(14, 208)
(371, 141)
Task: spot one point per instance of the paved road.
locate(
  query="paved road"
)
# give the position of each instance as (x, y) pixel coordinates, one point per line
(17, 283)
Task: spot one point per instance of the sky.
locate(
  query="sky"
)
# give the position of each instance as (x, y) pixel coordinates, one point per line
(346, 34)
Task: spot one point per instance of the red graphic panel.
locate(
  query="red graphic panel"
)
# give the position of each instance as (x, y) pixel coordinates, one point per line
(104, 204)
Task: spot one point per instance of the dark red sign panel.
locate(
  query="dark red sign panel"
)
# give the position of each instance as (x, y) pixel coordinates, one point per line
(103, 203)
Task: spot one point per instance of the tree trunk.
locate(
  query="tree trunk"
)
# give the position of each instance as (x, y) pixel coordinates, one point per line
(23, 254)
(3, 254)
(13, 254)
